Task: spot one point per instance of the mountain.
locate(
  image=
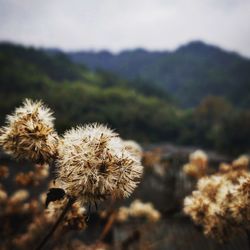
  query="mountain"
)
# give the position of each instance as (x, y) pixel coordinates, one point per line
(136, 109)
(79, 95)
(189, 73)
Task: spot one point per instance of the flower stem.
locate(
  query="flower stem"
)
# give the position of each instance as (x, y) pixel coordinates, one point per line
(60, 218)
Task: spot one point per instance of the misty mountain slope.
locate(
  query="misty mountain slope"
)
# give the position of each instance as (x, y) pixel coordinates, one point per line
(79, 95)
(136, 109)
(189, 73)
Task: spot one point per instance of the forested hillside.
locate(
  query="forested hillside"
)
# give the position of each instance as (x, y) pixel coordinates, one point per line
(79, 95)
(137, 109)
(189, 73)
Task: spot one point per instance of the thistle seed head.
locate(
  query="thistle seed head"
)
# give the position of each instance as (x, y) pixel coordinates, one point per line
(29, 133)
(134, 148)
(93, 164)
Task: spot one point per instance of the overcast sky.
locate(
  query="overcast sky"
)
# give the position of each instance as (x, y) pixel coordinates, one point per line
(122, 24)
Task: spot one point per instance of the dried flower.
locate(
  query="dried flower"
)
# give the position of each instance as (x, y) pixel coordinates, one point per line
(198, 158)
(191, 170)
(225, 168)
(93, 164)
(197, 207)
(221, 203)
(209, 186)
(123, 214)
(197, 166)
(4, 171)
(138, 209)
(241, 163)
(134, 148)
(25, 179)
(19, 196)
(3, 196)
(29, 133)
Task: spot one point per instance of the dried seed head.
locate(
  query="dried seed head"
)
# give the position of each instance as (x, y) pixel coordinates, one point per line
(198, 158)
(134, 148)
(221, 203)
(138, 209)
(209, 186)
(29, 133)
(19, 196)
(241, 163)
(93, 164)
(147, 210)
(192, 170)
(225, 168)
(122, 214)
(197, 166)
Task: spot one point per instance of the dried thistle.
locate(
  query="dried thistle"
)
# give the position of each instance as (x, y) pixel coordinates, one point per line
(93, 164)
(19, 196)
(123, 214)
(138, 209)
(241, 163)
(29, 133)
(197, 166)
(199, 158)
(221, 203)
(224, 168)
(134, 148)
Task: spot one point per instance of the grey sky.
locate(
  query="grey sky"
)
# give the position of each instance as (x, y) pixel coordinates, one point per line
(120, 24)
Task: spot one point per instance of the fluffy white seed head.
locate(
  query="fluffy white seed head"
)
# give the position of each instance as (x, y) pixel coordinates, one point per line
(29, 133)
(93, 164)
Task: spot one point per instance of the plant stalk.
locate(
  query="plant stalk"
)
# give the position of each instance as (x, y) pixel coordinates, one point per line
(53, 229)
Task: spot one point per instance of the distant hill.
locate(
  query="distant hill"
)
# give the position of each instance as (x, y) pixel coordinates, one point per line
(138, 109)
(189, 73)
(79, 95)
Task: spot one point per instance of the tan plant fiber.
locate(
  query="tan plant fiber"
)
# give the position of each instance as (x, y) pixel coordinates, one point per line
(221, 203)
(197, 166)
(134, 148)
(29, 133)
(93, 164)
(138, 209)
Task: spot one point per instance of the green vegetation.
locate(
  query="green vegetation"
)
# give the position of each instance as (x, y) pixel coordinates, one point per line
(189, 74)
(136, 109)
